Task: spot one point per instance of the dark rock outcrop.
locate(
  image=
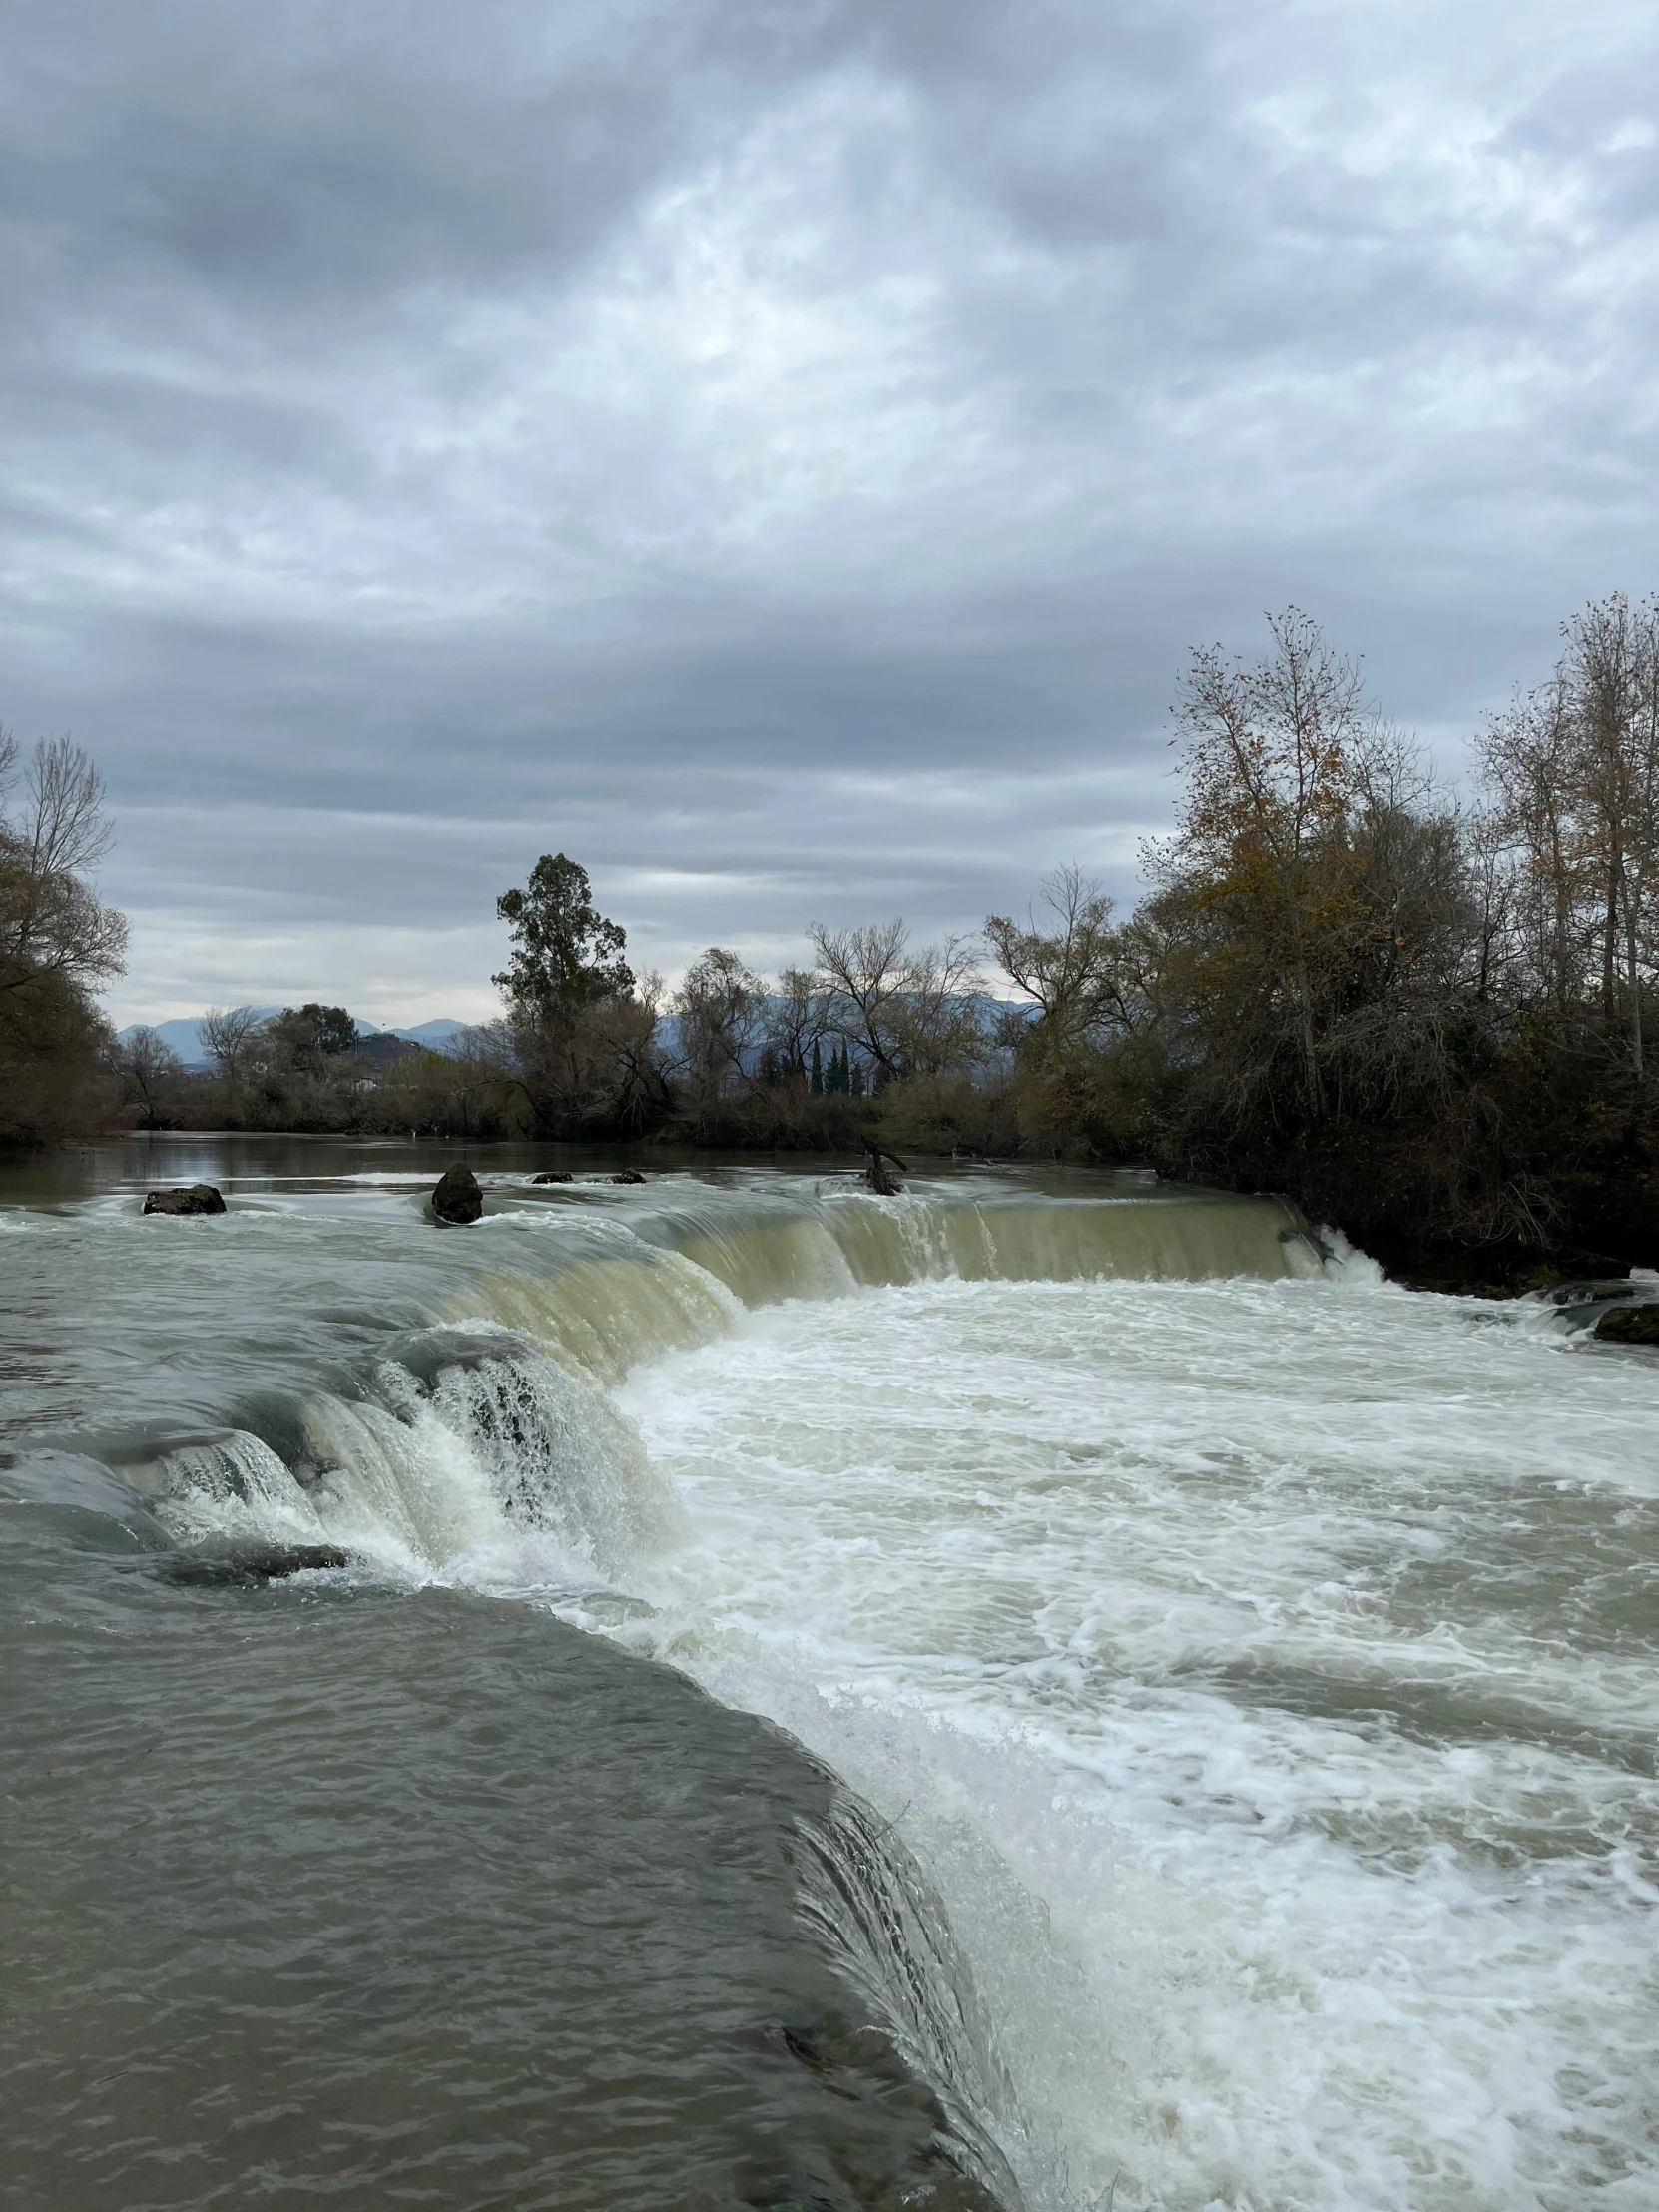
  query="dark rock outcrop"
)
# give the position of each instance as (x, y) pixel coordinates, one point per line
(1630, 1325)
(250, 1570)
(194, 1198)
(457, 1198)
(552, 1175)
(628, 1174)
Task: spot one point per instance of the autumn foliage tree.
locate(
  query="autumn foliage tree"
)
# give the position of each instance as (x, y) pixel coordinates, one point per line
(1427, 1020)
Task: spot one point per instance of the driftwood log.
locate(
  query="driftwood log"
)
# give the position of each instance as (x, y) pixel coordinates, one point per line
(875, 1175)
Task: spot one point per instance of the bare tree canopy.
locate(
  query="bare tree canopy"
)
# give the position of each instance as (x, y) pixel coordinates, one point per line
(1066, 958)
(719, 1010)
(58, 944)
(149, 1069)
(1573, 769)
(51, 830)
(224, 1034)
(910, 1010)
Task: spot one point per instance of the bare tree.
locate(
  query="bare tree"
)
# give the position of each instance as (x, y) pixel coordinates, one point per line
(797, 1018)
(1611, 677)
(1273, 755)
(225, 1034)
(719, 1010)
(67, 829)
(1525, 753)
(1574, 768)
(911, 1012)
(148, 1067)
(1067, 959)
(50, 923)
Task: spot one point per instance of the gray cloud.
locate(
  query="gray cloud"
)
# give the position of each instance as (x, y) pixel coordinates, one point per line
(777, 452)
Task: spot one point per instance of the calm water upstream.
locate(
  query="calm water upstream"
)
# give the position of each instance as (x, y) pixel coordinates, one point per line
(1034, 1692)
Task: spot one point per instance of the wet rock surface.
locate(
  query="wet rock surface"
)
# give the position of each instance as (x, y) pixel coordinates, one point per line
(1630, 1325)
(252, 1570)
(457, 1198)
(194, 1198)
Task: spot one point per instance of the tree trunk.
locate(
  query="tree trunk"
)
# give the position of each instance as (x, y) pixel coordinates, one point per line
(1635, 973)
(1610, 949)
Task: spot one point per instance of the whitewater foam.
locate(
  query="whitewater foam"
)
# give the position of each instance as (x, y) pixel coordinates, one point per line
(1258, 1659)
(1245, 1663)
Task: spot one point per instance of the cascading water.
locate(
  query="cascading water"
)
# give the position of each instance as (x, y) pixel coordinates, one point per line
(461, 1441)
(1234, 1662)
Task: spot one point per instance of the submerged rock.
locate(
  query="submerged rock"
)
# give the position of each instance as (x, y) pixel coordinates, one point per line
(628, 1174)
(552, 1175)
(457, 1198)
(1630, 1325)
(250, 1570)
(194, 1198)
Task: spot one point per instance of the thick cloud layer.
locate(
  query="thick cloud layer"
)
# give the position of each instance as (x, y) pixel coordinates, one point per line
(779, 453)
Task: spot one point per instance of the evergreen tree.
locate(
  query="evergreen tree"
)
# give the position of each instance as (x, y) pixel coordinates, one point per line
(566, 956)
(816, 1085)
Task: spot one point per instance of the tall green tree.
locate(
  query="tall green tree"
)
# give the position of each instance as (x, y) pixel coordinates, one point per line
(312, 1034)
(566, 956)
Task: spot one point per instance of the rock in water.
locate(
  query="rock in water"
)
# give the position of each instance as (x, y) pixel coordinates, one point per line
(552, 1175)
(457, 1196)
(1630, 1325)
(252, 1569)
(628, 1174)
(196, 1198)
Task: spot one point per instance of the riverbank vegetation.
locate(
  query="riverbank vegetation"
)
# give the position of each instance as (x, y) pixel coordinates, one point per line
(58, 945)
(1428, 1018)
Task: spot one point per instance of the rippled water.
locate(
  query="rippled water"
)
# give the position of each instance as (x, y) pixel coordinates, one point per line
(1220, 1694)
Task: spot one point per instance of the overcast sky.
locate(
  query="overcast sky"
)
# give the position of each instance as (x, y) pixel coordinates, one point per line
(777, 451)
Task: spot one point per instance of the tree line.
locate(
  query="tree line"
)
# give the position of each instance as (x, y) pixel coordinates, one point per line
(1426, 1016)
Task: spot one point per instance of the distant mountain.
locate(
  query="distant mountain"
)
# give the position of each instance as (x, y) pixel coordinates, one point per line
(182, 1034)
(436, 1035)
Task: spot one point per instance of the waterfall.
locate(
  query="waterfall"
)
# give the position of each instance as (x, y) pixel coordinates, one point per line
(487, 1449)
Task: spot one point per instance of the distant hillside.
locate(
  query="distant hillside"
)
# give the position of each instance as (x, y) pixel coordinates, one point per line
(182, 1034)
(436, 1035)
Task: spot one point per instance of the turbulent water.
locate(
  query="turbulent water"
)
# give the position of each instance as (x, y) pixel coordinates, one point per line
(1045, 1691)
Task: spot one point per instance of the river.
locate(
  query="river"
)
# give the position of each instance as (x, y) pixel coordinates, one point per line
(1046, 1691)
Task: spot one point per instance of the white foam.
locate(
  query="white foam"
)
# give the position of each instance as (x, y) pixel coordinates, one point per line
(1255, 1665)
(1104, 1592)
